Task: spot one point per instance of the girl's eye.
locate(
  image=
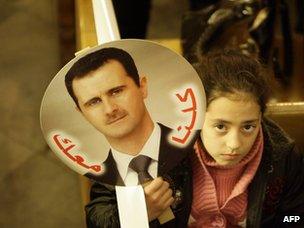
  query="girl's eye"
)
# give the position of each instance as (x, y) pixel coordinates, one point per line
(249, 128)
(220, 128)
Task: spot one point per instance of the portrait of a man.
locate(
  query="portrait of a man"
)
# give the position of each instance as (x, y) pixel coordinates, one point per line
(110, 94)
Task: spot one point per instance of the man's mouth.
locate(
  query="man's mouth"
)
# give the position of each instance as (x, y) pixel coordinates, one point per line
(116, 119)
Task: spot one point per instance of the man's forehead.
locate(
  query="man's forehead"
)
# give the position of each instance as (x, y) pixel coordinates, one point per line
(98, 83)
(109, 72)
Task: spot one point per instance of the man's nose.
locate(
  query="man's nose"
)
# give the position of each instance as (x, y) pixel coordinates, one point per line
(109, 106)
(234, 141)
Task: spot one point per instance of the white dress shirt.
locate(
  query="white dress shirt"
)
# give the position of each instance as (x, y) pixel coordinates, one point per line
(150, 149)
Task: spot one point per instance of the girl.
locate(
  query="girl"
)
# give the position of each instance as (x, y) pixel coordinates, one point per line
(246, 170)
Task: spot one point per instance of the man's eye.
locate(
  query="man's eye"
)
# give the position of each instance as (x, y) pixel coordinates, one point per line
(94, 102)
(116, 91)
(249, 128)
(220, 128)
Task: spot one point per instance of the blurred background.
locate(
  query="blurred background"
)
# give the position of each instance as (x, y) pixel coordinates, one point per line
(38, 38)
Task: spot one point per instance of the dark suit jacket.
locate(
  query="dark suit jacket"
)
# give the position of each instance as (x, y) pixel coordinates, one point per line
(173, 164)
(169, 157)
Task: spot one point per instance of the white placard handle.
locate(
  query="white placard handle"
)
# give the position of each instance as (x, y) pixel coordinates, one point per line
(105, 21)
(132, 208)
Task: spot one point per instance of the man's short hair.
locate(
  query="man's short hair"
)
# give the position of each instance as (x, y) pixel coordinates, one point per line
(96, 59)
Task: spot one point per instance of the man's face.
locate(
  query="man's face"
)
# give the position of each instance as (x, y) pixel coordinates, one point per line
(111, 101)
(230, 128)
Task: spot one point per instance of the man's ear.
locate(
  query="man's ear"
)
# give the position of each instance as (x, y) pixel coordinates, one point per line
(143, 84)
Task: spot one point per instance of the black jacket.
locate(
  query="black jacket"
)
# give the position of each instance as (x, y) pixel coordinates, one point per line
(277, 189)
(173, 165)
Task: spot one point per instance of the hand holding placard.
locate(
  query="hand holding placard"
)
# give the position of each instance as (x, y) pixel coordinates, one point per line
(158, 200)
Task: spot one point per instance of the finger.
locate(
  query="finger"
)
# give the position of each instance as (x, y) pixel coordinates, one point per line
(154, 185)
(168, 203)
(160, 199)
(167, 195)
(163, 191)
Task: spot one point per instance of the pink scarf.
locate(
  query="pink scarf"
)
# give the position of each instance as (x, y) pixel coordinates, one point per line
(220, 193)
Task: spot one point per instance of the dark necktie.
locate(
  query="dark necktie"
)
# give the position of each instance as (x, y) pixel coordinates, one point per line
(140, 165)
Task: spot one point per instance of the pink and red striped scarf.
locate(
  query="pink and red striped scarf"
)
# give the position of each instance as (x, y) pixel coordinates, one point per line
(220, 193)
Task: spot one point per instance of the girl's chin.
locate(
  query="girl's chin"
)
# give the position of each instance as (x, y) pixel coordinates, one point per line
(227, 162)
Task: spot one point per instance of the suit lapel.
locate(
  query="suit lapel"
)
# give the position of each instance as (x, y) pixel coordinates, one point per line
(111, 175)
(170, 155)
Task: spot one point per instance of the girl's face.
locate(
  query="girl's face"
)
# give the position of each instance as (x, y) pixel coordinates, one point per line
(230, 128)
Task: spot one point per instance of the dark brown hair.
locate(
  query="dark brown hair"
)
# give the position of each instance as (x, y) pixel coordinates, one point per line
(97, 59)
(229, 72)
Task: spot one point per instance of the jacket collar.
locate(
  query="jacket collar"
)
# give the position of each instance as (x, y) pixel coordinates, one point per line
(170, 155)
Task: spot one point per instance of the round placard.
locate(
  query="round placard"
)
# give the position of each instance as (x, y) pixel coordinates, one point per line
(120, 99)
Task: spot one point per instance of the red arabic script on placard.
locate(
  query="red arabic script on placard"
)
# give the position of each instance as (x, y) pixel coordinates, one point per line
(65, 145)
(187, 95)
